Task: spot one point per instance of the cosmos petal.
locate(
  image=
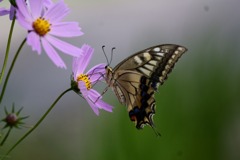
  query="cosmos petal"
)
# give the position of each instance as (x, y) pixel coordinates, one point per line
(85, 93)
(33, 40)
(66, 29)
(4, 12)
(64, 46)
(97, 98)
(56, 12)
(97, 72)
(22, 8)
(103, 105)
(82, 61)
(12, 12)
(36, 8)
(93, 106)
(23, 22)
(52, 54)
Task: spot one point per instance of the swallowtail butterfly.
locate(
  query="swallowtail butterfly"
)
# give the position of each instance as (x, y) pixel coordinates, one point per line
(136, 79)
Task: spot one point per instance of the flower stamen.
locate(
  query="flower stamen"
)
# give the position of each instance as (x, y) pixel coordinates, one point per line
(85, 78)
(41, 26)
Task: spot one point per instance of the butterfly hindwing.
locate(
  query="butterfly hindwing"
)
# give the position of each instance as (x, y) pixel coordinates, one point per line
(143, 111)
(135, 79)
(133, 91)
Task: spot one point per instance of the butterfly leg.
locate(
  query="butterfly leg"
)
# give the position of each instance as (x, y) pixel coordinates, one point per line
(104, 91)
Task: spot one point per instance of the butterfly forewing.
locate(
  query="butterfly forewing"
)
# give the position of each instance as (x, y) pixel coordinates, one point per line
(135, 79)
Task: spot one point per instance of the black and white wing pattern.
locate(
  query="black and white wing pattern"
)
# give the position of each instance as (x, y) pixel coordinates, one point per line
(136, 79)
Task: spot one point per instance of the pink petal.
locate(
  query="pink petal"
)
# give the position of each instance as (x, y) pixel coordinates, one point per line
(52, 54)
(93, 106)
(97, 72)
(22, 7)
(23, 22)
(66, 29)
(12, 12)
(94, 94)
(83, 60)
(48, 3)
(96, 98)
(33, 40)
(4, 12)
(103, 105)
(56, 12)
(36, 8)
(64, 47)
(85, 92)
(74, 68)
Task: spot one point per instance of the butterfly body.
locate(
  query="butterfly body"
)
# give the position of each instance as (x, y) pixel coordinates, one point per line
(136, 79)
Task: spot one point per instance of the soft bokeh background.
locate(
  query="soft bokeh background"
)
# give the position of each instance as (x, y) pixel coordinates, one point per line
(198, 108)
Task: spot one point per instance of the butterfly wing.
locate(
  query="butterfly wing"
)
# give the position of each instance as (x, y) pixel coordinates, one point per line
(136, 78)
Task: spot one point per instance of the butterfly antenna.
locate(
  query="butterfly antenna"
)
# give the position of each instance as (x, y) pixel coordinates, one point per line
(111, 55)
(105, 54)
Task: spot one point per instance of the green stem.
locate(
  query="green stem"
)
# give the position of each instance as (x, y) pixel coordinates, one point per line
(10, 69)
(37, 124)
(6, 136)
(7, 49)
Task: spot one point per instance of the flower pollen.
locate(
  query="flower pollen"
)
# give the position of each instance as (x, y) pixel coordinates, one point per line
(85, 78)
(41, 26)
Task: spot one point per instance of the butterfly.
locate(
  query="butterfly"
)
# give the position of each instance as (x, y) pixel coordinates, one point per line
(136, 79)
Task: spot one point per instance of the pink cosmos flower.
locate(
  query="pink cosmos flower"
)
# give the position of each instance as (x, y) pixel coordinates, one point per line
(86, 81)
(44, 25)
(10, 11)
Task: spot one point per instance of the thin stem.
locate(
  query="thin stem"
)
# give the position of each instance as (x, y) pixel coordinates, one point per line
(37, 124)
(6, 136)
(10, 69)
(7, 49)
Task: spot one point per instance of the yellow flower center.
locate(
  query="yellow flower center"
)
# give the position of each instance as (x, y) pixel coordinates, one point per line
(41, 26)
(85, 78)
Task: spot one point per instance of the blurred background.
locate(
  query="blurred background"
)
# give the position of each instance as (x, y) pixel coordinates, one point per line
(198, 107)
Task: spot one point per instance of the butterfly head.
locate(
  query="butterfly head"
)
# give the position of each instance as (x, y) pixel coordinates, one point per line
(109, 73)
